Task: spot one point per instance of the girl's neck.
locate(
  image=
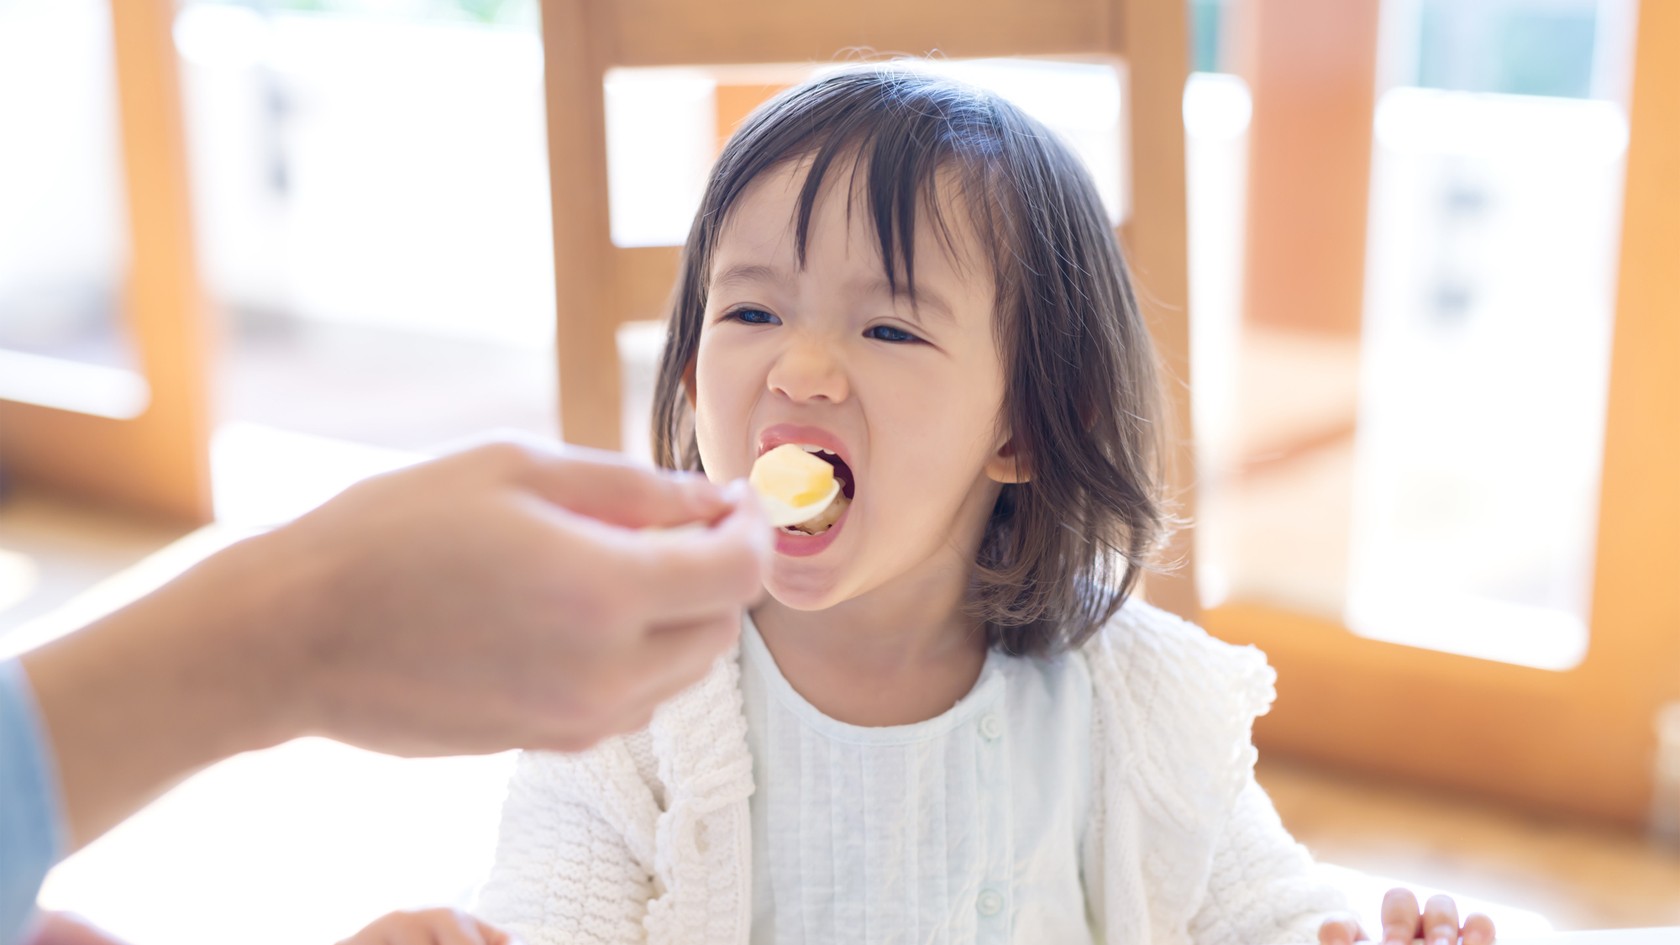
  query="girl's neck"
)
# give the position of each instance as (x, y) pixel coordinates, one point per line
(900, 654)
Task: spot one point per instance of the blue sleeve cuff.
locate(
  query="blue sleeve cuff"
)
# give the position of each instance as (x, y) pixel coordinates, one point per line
(32, 829)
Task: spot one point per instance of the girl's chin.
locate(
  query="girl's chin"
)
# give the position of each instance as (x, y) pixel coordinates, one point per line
(801, 592)
(806, 572)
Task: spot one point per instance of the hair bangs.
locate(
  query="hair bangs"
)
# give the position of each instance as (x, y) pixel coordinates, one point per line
(913, 149)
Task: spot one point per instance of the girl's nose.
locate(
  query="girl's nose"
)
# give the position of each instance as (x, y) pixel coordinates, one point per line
(809, 370)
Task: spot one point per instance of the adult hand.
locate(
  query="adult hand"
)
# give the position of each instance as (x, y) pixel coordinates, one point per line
(510, 595)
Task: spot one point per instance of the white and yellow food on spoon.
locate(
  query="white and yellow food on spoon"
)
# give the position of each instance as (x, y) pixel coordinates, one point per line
(799, 489)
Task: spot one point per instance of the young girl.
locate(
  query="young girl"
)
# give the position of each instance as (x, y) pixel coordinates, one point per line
(948, 721)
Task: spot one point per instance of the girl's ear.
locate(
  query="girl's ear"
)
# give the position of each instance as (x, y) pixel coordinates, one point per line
(1006, 466)
(688, 383)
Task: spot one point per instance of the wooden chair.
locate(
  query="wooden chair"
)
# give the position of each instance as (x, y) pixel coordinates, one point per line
(151, 457)
(599, 286)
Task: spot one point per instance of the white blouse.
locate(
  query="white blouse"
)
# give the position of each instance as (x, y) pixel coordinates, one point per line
(648, 838)
(964, 828)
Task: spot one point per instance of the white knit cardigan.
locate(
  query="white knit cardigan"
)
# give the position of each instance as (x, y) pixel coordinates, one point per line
(645, 838)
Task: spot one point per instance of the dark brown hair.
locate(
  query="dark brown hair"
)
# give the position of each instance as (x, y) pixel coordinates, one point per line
(1063, 550)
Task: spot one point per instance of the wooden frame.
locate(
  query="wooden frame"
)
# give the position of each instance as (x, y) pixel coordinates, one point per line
(1580, 741)
(159, 461)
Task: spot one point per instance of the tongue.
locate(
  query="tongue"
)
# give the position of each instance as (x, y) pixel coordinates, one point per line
(842, 473)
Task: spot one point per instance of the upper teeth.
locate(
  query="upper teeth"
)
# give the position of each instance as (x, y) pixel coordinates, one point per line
(815, 449)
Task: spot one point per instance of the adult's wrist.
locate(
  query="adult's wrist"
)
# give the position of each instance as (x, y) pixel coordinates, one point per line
(258, 639)
(177, 680)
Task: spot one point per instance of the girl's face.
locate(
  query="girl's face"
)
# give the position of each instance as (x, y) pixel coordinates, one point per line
(909, 399)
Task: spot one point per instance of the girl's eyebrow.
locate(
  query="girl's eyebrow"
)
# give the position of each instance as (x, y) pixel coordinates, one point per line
(750, 274)
(922, 300)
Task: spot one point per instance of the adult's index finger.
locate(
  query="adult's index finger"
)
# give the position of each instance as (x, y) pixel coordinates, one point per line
(613, 488)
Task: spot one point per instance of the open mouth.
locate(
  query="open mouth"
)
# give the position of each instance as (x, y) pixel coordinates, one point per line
(848, 489)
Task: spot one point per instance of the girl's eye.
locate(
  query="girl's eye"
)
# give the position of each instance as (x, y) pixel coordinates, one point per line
(752, 316)
(889, 333)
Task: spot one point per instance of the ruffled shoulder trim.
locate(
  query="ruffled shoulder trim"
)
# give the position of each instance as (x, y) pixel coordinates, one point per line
(1173, 716)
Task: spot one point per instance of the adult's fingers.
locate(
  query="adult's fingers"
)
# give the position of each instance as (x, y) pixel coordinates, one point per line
(627, 691)
(1400, 917)
(615, 489)
(677, 657)
(1440, 921)
(701, 571)
(1340, 929)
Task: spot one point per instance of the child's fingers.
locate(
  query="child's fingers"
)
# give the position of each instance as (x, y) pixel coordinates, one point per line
(451, 927)
(1400, 917)
(411, 932)
(454, 927)
(494, 936)
(1340, 929)
(1478, 930)
(1440, 921)
(409, 927)
(62, 928)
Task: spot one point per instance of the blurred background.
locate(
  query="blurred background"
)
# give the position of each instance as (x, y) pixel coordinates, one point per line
(1410, 262)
